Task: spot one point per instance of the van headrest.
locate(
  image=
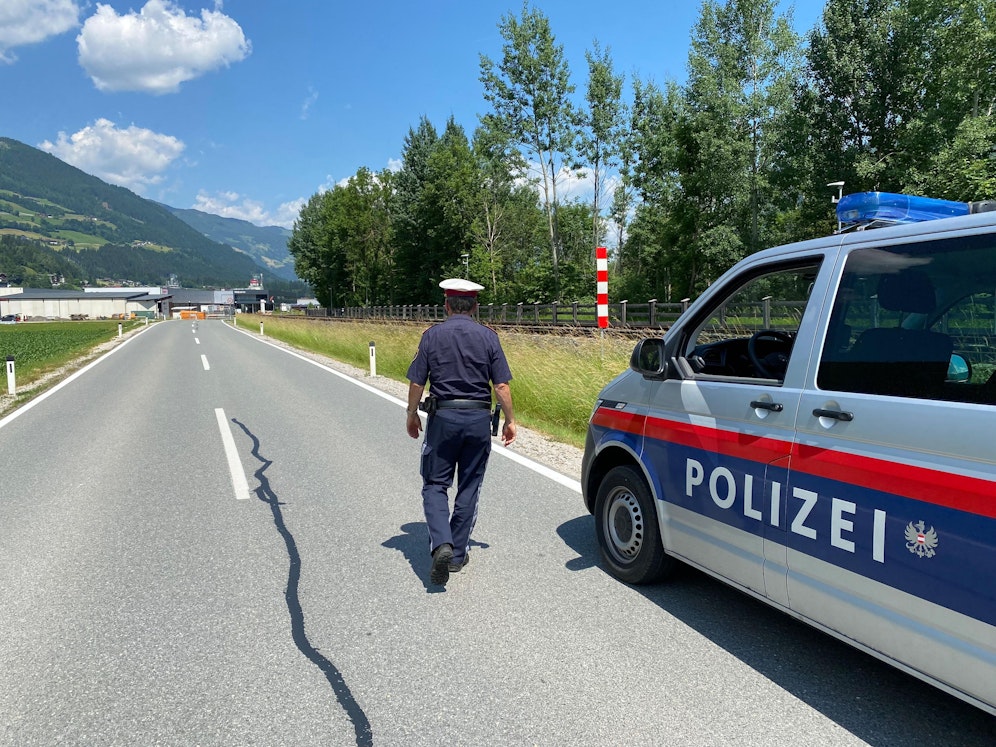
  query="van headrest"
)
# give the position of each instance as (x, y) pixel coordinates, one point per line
(910, 291)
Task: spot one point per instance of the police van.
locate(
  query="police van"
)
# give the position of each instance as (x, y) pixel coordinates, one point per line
(818, 430)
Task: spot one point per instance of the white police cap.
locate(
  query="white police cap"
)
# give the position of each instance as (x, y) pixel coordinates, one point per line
(460, 287)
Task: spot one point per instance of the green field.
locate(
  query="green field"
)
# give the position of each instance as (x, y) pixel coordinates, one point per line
(556, 379)
(41, 347)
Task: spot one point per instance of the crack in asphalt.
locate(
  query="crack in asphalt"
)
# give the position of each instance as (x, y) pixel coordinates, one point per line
(265, 493)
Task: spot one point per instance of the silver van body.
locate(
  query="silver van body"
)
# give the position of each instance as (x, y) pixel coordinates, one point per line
(819, 430)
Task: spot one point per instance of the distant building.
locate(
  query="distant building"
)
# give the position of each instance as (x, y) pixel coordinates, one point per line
(38, 304)
(110, 303)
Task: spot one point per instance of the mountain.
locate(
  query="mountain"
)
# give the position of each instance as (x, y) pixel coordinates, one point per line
(267, 245)
(105, 232)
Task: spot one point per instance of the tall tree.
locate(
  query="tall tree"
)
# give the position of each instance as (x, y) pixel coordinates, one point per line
(417, 254)
(449, 202)
(316, 260)
(498, 165)
(950, 136)
(653, 155)
(742, 60)
(602, 130)
(853, 103)
(357, 226)
(530, 91)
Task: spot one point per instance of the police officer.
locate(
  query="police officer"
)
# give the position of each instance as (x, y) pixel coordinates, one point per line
(462, 359)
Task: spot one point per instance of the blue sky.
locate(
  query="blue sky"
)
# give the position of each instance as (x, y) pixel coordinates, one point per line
(247, 108)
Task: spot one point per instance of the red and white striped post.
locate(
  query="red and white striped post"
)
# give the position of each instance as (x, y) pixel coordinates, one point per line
(602, 286)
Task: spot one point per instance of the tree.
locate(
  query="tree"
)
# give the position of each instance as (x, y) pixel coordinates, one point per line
(602, 131)
(653, 155)
(315, 260)
(852, 104)
(950, 135)
(498, 164)
(417, 255)
(360, 225)
(530, 91)
(450, 203)
(727, 135)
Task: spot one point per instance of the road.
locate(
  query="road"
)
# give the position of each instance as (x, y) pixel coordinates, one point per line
(158, 590)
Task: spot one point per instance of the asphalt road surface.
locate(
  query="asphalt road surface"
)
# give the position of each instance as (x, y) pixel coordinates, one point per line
(207, 540)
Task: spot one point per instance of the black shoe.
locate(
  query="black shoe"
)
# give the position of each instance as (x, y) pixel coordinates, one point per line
(441, 558)
(457, 567)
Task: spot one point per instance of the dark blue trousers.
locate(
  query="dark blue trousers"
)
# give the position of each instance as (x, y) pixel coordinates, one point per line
(456, 442)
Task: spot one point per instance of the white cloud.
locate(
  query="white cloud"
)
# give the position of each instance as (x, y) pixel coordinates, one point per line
(235, 205)
(309, 102)
(287, 213)
(572, 185)
(158, 48)
(133, 157)
(30, 21)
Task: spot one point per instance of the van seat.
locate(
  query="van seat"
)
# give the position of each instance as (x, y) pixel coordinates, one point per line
(894, 360)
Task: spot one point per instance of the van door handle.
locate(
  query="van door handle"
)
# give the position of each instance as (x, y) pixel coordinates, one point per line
(773, 406)
(835, 414)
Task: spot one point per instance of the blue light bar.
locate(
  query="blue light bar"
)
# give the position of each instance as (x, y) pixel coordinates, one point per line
(862, 208)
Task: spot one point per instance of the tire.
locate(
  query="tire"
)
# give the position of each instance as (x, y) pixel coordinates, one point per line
(629, 539)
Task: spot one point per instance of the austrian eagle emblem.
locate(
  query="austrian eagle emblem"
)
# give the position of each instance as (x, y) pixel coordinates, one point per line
(921, 541)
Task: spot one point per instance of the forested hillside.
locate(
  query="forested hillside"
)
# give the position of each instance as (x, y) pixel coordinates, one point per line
(267, 245)
(103, 231)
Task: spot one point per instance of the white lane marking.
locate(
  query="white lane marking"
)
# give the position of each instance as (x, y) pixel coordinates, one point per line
(541, 469)
(239, 482)
(49, 392)
(204, 362)
(197, 340)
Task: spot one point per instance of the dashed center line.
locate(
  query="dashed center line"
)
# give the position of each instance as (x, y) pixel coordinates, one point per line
(239, 482)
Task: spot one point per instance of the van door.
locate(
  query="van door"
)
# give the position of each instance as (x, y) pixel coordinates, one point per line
(892, 498)
(720, 436)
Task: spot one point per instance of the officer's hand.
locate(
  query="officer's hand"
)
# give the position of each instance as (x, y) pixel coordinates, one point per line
(508, 434)
(414, 424)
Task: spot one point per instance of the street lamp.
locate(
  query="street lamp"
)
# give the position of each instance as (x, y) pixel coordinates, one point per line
(836, 199)
(466, 265)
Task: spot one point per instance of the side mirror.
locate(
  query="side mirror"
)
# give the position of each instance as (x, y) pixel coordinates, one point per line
(959, 369)
(648, 358)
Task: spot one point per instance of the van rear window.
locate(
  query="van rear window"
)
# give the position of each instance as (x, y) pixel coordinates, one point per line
(916, 321)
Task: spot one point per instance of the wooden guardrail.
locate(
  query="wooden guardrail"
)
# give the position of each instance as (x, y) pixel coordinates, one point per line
(651, 315)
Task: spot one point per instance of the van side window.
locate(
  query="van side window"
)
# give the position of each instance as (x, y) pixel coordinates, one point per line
(750, 332)
(915, 321)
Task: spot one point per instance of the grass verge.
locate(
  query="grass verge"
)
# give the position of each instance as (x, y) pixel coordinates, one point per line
(46, 352)
(556, 379)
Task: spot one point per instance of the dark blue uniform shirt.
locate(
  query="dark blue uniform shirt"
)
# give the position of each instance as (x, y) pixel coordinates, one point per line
(461, 358)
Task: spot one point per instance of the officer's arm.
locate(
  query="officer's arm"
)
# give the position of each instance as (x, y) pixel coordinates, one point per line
(412, 422)
(504, 396)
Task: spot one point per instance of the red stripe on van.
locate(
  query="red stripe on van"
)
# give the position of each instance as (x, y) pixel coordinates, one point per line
(959, 492)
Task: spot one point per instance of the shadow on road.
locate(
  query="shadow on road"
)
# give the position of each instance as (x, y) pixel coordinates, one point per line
(413, 543)
(872, 700)
(265, 493)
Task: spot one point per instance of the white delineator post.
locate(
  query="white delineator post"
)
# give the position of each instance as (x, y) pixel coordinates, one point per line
(602, 286)
(11, 386)
(373, 359)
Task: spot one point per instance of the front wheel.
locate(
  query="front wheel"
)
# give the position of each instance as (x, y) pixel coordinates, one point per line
(626, 527)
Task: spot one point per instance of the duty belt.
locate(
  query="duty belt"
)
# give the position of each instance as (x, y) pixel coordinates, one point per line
(463, 404)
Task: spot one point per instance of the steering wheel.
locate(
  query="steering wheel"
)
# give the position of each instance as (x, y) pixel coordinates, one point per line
(769, 334)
